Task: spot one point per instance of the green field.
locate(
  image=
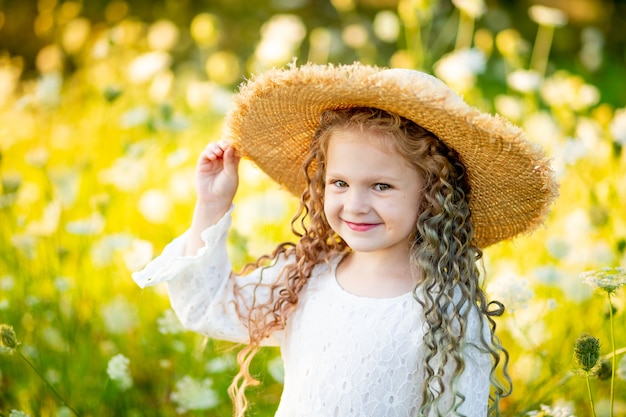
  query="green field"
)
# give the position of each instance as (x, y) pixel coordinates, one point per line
(100, 126)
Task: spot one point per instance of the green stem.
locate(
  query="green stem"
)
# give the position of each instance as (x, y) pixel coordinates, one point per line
(593, 408)
(608, 294)
(541, 49)
(46, 381)
(465, 31)
(615, 353)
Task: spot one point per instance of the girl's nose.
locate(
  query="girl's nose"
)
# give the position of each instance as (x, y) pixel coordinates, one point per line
(356, 201)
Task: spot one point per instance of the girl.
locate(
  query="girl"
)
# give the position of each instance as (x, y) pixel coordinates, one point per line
(377, 308)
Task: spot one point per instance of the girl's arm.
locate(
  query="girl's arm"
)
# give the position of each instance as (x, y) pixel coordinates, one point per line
(217, 180)
(196, 266)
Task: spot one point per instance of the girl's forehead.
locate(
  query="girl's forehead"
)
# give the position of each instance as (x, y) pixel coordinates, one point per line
(384, 141)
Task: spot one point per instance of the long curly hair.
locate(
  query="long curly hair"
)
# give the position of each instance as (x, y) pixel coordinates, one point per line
(442, 249)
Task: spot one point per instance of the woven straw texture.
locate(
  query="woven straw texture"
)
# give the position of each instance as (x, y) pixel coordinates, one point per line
(277, 112)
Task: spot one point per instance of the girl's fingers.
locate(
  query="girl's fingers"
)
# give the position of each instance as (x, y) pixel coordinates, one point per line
(231, 161)
(215, 150)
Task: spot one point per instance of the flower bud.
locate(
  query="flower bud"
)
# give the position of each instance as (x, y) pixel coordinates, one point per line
(604, 371)
(8, 339)
(587, 352)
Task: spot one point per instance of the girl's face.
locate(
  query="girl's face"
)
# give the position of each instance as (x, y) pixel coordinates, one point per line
(372, 195)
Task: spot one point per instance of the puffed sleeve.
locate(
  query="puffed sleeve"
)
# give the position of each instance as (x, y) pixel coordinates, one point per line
(202, 287)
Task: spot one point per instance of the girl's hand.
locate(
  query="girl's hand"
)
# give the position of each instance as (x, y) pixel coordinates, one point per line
(217, 176)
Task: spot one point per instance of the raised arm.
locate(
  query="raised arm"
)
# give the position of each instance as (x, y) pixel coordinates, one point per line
(217, 179)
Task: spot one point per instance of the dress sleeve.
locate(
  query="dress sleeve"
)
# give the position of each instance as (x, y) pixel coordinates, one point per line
(202, 287)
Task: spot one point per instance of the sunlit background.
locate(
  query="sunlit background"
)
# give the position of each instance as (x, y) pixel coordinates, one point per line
(104, 106)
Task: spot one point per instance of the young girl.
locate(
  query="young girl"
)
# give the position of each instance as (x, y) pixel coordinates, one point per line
(377, 308)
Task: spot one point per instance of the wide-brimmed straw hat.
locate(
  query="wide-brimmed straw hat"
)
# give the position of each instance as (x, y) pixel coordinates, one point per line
(276, 113)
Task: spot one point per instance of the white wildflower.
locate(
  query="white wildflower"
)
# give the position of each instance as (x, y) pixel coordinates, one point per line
(587, 95)
(221, 100)
(88, 226)
(572, 150)
(512, 291)
(591, 252)
(7, 282)
(557, 91)
(75, 34)
(543, 129)
(9, 79)
(17, 413)
(37, 157)
(277, 369)
(554, 411)
(64, 412)
(547, 16)
(355, 35)
(118, 371)
(134, 117)
(571, 91)
(49, 221)
(119, 315)
(618, 126)
(607, 279)
(138, 254)
(592, 48)
(62, 284)
(163, 35)
(147, 65)
(104, 249)
(459, 68)
(281, 36)
(473, 8)
(548, 275)
(386, 26)
(155, 206)
(510, 107)
(53, 337)
(126, 174)
(220, 364)
(66, 184)
(168, 323)
(199, 93)
(524, 81)
(178, 157)
(48, 91)
(205, 29)
(191, 394)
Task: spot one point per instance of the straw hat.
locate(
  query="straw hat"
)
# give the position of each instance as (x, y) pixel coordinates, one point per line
(277, 112)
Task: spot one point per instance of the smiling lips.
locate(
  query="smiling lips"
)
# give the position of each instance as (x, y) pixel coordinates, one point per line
(360, 227)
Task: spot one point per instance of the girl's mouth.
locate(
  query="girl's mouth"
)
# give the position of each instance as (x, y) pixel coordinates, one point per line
(360, 227)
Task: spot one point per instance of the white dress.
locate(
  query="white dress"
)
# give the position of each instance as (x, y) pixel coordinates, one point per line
(344, 355)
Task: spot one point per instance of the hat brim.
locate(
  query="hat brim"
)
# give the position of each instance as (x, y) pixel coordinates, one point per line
(277, 112)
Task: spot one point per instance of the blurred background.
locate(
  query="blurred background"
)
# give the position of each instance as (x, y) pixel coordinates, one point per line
(104, 106)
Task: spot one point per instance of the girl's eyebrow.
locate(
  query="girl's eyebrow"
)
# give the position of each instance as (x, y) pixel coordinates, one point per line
(373, 178)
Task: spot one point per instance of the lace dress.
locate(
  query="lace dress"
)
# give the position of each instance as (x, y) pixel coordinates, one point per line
(344, 355)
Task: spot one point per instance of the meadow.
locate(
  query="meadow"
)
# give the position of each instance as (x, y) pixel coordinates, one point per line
(98, 143)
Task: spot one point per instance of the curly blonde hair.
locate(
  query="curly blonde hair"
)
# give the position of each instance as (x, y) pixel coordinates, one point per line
(442, 249)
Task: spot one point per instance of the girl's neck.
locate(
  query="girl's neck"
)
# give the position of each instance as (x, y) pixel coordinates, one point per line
(368, 275)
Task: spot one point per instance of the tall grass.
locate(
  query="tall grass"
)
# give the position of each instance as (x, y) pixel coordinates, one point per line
(96, 175)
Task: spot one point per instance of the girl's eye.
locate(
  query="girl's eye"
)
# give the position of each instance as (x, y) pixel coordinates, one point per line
(340, 183)
(382, 187)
